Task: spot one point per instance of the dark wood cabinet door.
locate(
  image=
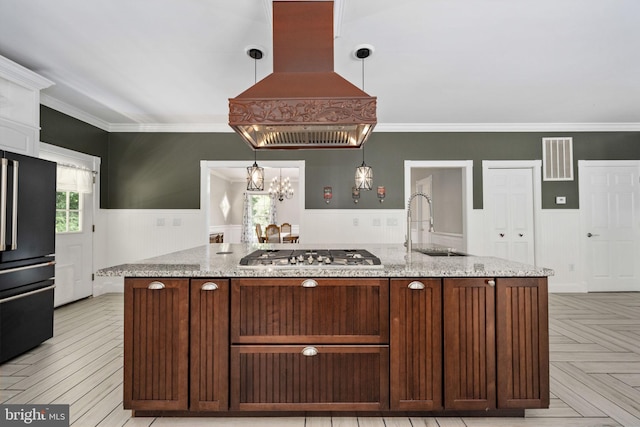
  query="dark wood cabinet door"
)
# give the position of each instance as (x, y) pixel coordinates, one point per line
(522, 337)
(469, 344)
(209, 345)
(282, 377)
(416, 344)
(321, 311)
(156, 344)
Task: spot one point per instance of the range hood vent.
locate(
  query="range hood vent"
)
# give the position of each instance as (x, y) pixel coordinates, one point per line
(303, 103)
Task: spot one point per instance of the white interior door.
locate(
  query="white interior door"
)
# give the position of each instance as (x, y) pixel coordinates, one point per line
(610, 207)
(508, 205)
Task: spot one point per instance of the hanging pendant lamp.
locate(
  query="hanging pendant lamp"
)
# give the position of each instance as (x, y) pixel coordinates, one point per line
(364, 173)
(364, 176)
(255, 176)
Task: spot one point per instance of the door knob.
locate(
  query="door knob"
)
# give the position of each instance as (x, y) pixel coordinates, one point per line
(591, 235)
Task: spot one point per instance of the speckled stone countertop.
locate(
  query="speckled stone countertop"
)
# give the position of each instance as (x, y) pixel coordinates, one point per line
(222, 260)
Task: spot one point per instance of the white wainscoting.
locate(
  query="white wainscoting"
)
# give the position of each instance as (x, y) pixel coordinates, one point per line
(353, 226)
(559, 249)
(134, 235)
(137, 234)
(450, 240)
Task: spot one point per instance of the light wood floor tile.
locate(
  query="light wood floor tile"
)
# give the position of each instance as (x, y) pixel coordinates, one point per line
(396, 422)
(629, 379)
(423, 422)
(594, 372)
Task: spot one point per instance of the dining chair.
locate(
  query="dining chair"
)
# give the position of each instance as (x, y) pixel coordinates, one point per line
(285, 232)
(259, 233)
(273, 234)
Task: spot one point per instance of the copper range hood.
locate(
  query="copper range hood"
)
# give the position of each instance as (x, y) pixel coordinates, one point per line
(303, 103)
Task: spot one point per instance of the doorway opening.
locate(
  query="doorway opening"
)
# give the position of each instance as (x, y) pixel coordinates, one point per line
(76, 201)
(449, 183)
(224, 186)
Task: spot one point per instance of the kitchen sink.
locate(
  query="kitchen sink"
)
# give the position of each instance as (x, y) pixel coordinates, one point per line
(432, 252)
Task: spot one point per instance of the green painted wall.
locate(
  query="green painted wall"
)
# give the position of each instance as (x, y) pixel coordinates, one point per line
(63, 131)
(162, 170)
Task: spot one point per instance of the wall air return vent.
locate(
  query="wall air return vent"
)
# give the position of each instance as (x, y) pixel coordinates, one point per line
(557, 159)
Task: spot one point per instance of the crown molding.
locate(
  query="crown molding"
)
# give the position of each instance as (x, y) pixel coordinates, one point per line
(507, 127)
(74, 112)
(380, 127)
(171, 127)
(22, 76)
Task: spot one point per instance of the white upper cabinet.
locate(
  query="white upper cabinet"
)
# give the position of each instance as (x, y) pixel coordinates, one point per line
(20, 107)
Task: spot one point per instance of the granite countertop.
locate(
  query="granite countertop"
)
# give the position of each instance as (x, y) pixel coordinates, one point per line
(222, 260)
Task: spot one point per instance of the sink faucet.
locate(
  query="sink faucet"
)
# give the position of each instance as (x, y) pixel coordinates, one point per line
(431, 230)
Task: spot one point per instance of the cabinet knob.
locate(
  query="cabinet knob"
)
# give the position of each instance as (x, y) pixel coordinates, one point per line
(415, 285)
(209, 286)
(309, 283)
(491, 283)
(309, 351)
(155, 285)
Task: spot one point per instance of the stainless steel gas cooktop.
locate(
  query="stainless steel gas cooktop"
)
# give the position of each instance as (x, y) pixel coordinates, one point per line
(319, 258)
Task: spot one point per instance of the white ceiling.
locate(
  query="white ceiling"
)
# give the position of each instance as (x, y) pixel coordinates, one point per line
(437, 65)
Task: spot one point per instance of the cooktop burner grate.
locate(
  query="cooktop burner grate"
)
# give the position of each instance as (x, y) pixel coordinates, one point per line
(311, 258)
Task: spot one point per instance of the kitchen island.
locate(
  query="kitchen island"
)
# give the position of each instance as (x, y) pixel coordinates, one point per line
(429, 334)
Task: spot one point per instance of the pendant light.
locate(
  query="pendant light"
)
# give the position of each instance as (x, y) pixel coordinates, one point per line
(255, 176)
(364, 173)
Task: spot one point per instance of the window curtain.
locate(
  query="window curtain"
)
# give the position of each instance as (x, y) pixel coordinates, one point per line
(74, 179)
(273, 214)
(247, 235)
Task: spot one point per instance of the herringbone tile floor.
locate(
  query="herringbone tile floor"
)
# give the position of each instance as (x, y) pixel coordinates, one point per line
(594, 353)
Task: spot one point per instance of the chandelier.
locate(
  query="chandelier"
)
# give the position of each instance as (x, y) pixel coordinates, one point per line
(281, 188)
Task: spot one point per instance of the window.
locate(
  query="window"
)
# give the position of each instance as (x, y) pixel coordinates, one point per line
(68, 210)
(260, 209)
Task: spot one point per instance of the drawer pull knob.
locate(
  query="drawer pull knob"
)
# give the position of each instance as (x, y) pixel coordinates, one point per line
(309, 351)
(491, 283)
(209, 286)
(415, 285)
(155, 285)
(309, 283)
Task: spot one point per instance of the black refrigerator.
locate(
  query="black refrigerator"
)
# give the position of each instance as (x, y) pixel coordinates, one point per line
(27, 252)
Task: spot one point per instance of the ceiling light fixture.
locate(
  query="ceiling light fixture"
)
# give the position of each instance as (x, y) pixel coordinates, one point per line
(281, 188)
(364, 173)
(255, 176)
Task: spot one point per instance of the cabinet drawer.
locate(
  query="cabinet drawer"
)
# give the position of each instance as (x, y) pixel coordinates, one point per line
(283, 378)
(331, 311)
